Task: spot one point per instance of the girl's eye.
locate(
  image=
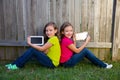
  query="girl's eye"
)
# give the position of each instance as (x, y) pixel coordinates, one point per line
(66, 31)
(50, 30)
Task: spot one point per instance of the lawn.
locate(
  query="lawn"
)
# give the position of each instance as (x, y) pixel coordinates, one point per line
(82, 71)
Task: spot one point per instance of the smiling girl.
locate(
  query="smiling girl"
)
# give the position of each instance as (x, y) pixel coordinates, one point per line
(70, 54)
(47, 55)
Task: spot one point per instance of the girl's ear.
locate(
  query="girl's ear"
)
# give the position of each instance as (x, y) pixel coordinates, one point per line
(56, 30)
(62, 32)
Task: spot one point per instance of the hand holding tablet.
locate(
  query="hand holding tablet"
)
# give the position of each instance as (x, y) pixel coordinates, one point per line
(81, 36)
(37, 40)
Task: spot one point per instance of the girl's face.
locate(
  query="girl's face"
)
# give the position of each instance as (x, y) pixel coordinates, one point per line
(68, 31)
(50, 31)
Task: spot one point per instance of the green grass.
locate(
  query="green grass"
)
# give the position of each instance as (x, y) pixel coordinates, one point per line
(82, 71)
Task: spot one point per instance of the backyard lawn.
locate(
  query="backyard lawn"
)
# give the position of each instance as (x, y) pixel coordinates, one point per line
(83, 71)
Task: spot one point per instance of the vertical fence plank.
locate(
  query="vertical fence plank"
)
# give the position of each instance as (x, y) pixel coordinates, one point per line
(29, 30)
(53, 10)
(91, 21)
(72, 12)
(40, 18)
(31, 7)
(96, 23)
(59, 12)
(119, 41)
(108, 27)
(116, 42)
(2, 30)
(10, 26)
(2, 53)
(21, 20)
(69, 9)
(42, 15)
(102, 27)
(91, 18)
(64, 11)
(21, 24)
(84, 12)
(77, 16)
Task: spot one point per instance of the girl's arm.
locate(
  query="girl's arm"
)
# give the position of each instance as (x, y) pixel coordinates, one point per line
(74, 39)
(77, 50)
(40, 48)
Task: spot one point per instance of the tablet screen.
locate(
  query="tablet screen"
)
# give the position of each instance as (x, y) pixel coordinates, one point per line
(81, 36)
(37, 40)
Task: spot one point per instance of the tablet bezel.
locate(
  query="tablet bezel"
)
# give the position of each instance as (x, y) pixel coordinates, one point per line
(37, 37)
(81, 35)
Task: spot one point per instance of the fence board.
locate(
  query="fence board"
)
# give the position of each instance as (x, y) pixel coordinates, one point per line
(2, 35)
(10, 26)
(108, 26)
(64, 11)
(21, 20)
(42, 15)
(84, 13)
(116, 33)
(72, 12)
(90, 24)
(21, 24)
(2, 53)
(59, 12)
(97, 45)
(53, 10)
(96, 23)
(30, 30)
(102, 27)
(69, 9)
(2, 50)
(77, 15)
(91, 19)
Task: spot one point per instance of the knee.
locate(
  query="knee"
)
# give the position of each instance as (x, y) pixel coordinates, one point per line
(32, 49)
(84, 50)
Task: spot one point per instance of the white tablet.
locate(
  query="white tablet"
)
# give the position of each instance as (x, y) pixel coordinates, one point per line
(37, 40)
(81, 36)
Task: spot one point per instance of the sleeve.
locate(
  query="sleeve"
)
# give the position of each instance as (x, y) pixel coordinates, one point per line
(67, 42)
(52, 40)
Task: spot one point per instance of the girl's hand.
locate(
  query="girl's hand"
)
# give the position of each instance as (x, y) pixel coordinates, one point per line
(46, 51)
(28, 40)
(74, 39)
(88, 39)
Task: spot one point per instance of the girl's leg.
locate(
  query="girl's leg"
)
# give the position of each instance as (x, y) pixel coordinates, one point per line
(76, 58)
(20, 62)
(40, 56)
(43, 59)
(89, 55)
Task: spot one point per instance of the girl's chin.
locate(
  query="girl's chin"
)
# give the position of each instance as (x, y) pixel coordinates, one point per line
(50, 36)
(68, 36)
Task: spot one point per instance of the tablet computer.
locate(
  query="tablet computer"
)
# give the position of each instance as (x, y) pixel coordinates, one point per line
(81, 36)
(37, 40)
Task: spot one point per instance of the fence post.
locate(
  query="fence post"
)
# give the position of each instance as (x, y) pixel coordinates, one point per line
(116, 27)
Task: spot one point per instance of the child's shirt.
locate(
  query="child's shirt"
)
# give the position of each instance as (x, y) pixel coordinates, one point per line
(66, 53)
(54, 51)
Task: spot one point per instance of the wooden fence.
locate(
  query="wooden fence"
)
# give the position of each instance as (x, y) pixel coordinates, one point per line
(20, 18)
